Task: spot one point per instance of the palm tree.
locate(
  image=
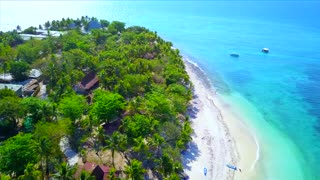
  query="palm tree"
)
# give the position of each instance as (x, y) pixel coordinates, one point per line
(102, 78)
(185, 136)
(134, 105)
(141, 148)
(30, 173)
(47, 25)
(129, 171)
(65, 172)
(173, 176)
(112, 174)
(44, 152)
(155, 142)
(100, 140)
(4, 177)
(101, 134)
(116, 142)
(135, 170)
(86, 176)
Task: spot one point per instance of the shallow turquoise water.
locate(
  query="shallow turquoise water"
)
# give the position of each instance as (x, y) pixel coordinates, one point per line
(279, 91)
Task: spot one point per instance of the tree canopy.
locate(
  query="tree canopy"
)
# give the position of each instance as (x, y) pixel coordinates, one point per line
(135, 170)
(11, 110)
(109, 88)
(72, 107)
(7, 93)
(116, 26)
(16, 153)
(106, 105)
(19, 70)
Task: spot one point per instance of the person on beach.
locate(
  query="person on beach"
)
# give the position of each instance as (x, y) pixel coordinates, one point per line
(205, 171)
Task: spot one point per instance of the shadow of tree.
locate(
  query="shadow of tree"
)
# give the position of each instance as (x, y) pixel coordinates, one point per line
(190, 154)
(192, 110)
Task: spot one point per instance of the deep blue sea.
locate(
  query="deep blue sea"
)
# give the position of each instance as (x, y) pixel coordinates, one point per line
(282, 86)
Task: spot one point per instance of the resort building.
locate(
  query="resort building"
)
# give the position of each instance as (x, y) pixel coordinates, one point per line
(87, 84)
(94, 25)
(5, 78)
(100, 172)
(34, 74)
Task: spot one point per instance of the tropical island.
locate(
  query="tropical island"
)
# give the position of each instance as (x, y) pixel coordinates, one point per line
(90, 98)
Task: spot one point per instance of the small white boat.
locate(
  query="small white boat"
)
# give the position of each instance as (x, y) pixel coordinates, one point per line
(265, 50)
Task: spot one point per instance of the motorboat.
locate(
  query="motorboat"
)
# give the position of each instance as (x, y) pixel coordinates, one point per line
(234, 55)
(265, 50)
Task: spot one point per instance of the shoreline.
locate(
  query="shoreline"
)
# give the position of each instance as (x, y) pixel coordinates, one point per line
(220, 136)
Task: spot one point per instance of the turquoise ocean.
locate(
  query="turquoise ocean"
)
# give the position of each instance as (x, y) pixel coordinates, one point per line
(279, 92)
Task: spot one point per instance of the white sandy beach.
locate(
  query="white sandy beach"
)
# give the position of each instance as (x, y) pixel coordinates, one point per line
(219, 138)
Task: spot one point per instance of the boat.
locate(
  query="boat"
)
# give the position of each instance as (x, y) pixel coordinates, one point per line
(232, 167)
(265, 50)
(234, 55)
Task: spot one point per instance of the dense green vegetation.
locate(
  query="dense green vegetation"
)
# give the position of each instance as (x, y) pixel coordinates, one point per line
(143, 88)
